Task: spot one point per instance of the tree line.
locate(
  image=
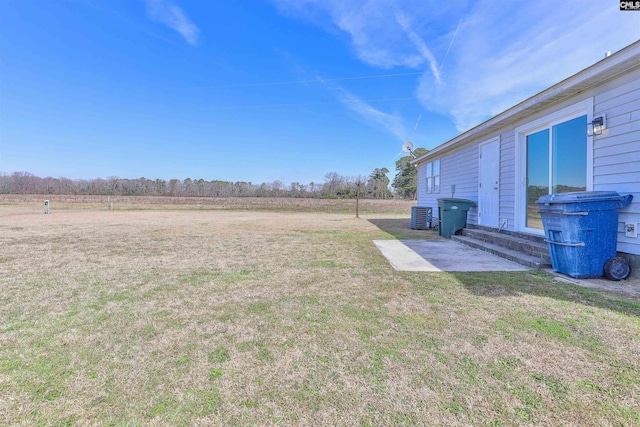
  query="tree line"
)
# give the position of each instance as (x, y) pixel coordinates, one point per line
(375, 186)
(334, 186)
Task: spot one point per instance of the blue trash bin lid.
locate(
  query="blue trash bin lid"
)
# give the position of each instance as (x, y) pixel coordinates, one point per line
(580, 197)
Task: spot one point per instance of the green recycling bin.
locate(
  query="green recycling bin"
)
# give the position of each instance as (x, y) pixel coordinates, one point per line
(452, 215)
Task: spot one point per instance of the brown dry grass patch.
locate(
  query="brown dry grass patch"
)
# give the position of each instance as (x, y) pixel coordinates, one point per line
(267, 317)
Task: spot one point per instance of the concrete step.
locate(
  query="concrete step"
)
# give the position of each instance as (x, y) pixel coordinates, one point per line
(535, 248)
(525, 236)
(505, 252)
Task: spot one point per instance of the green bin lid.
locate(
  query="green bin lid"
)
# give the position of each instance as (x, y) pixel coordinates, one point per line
(453, 200)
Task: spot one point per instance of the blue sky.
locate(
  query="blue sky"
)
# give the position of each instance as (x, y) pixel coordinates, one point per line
(288, 90)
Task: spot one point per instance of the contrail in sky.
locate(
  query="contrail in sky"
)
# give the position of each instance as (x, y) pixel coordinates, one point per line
(292, 82)
(418, 122)
(446, 55)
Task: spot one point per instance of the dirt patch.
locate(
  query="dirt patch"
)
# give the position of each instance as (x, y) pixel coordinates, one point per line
(629, 288)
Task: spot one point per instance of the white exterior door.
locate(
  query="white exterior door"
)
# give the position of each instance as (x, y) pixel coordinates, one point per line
(489, 183)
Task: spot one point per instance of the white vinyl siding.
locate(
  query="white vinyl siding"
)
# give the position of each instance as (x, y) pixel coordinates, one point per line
(614, 163)
(507, 178)
(459, 168)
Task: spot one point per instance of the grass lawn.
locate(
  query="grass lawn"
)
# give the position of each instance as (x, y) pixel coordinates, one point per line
(265, 317)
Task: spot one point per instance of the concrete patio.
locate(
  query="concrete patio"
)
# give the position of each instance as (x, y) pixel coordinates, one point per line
(441, 255)
(451, 256)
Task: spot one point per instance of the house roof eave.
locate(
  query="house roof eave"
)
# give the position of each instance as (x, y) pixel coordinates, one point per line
(603, 70)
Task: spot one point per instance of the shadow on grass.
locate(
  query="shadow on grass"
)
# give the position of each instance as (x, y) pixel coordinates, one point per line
(495, 284)
(400, 228)
(538, 283)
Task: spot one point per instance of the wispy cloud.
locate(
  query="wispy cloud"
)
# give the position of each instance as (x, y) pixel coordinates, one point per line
(389, 123)
(493, 66)
(167, 13)
(497, 53)
(419, 44)
(383, 34)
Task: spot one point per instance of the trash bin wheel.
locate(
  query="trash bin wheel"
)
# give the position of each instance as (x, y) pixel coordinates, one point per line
(617, 268)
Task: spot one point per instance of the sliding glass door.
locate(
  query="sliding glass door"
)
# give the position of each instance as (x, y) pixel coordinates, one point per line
(556, 162)
(537, 175)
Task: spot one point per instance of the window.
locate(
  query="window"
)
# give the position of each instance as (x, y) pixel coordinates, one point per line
(433, 176)
(556, 159)
(553, 155)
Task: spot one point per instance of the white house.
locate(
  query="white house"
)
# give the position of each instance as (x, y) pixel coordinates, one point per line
(541, 146)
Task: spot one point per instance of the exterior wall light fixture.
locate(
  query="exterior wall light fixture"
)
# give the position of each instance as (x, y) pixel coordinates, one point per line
(597, 126)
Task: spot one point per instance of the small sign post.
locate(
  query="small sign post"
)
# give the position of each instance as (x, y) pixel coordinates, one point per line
(358, 183)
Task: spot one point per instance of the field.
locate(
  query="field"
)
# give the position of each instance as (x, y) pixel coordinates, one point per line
(157, 313)
(213, 203)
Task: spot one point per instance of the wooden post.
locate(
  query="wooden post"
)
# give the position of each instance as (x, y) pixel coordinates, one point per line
(358, 199)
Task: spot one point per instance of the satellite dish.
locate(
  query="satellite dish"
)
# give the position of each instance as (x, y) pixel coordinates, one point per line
(407, 147)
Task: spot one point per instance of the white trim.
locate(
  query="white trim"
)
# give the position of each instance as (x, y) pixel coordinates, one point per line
(432, 176)
(490, 140)
(576, 110)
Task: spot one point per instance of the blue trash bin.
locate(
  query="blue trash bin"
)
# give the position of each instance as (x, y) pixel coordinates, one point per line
(581, 230)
